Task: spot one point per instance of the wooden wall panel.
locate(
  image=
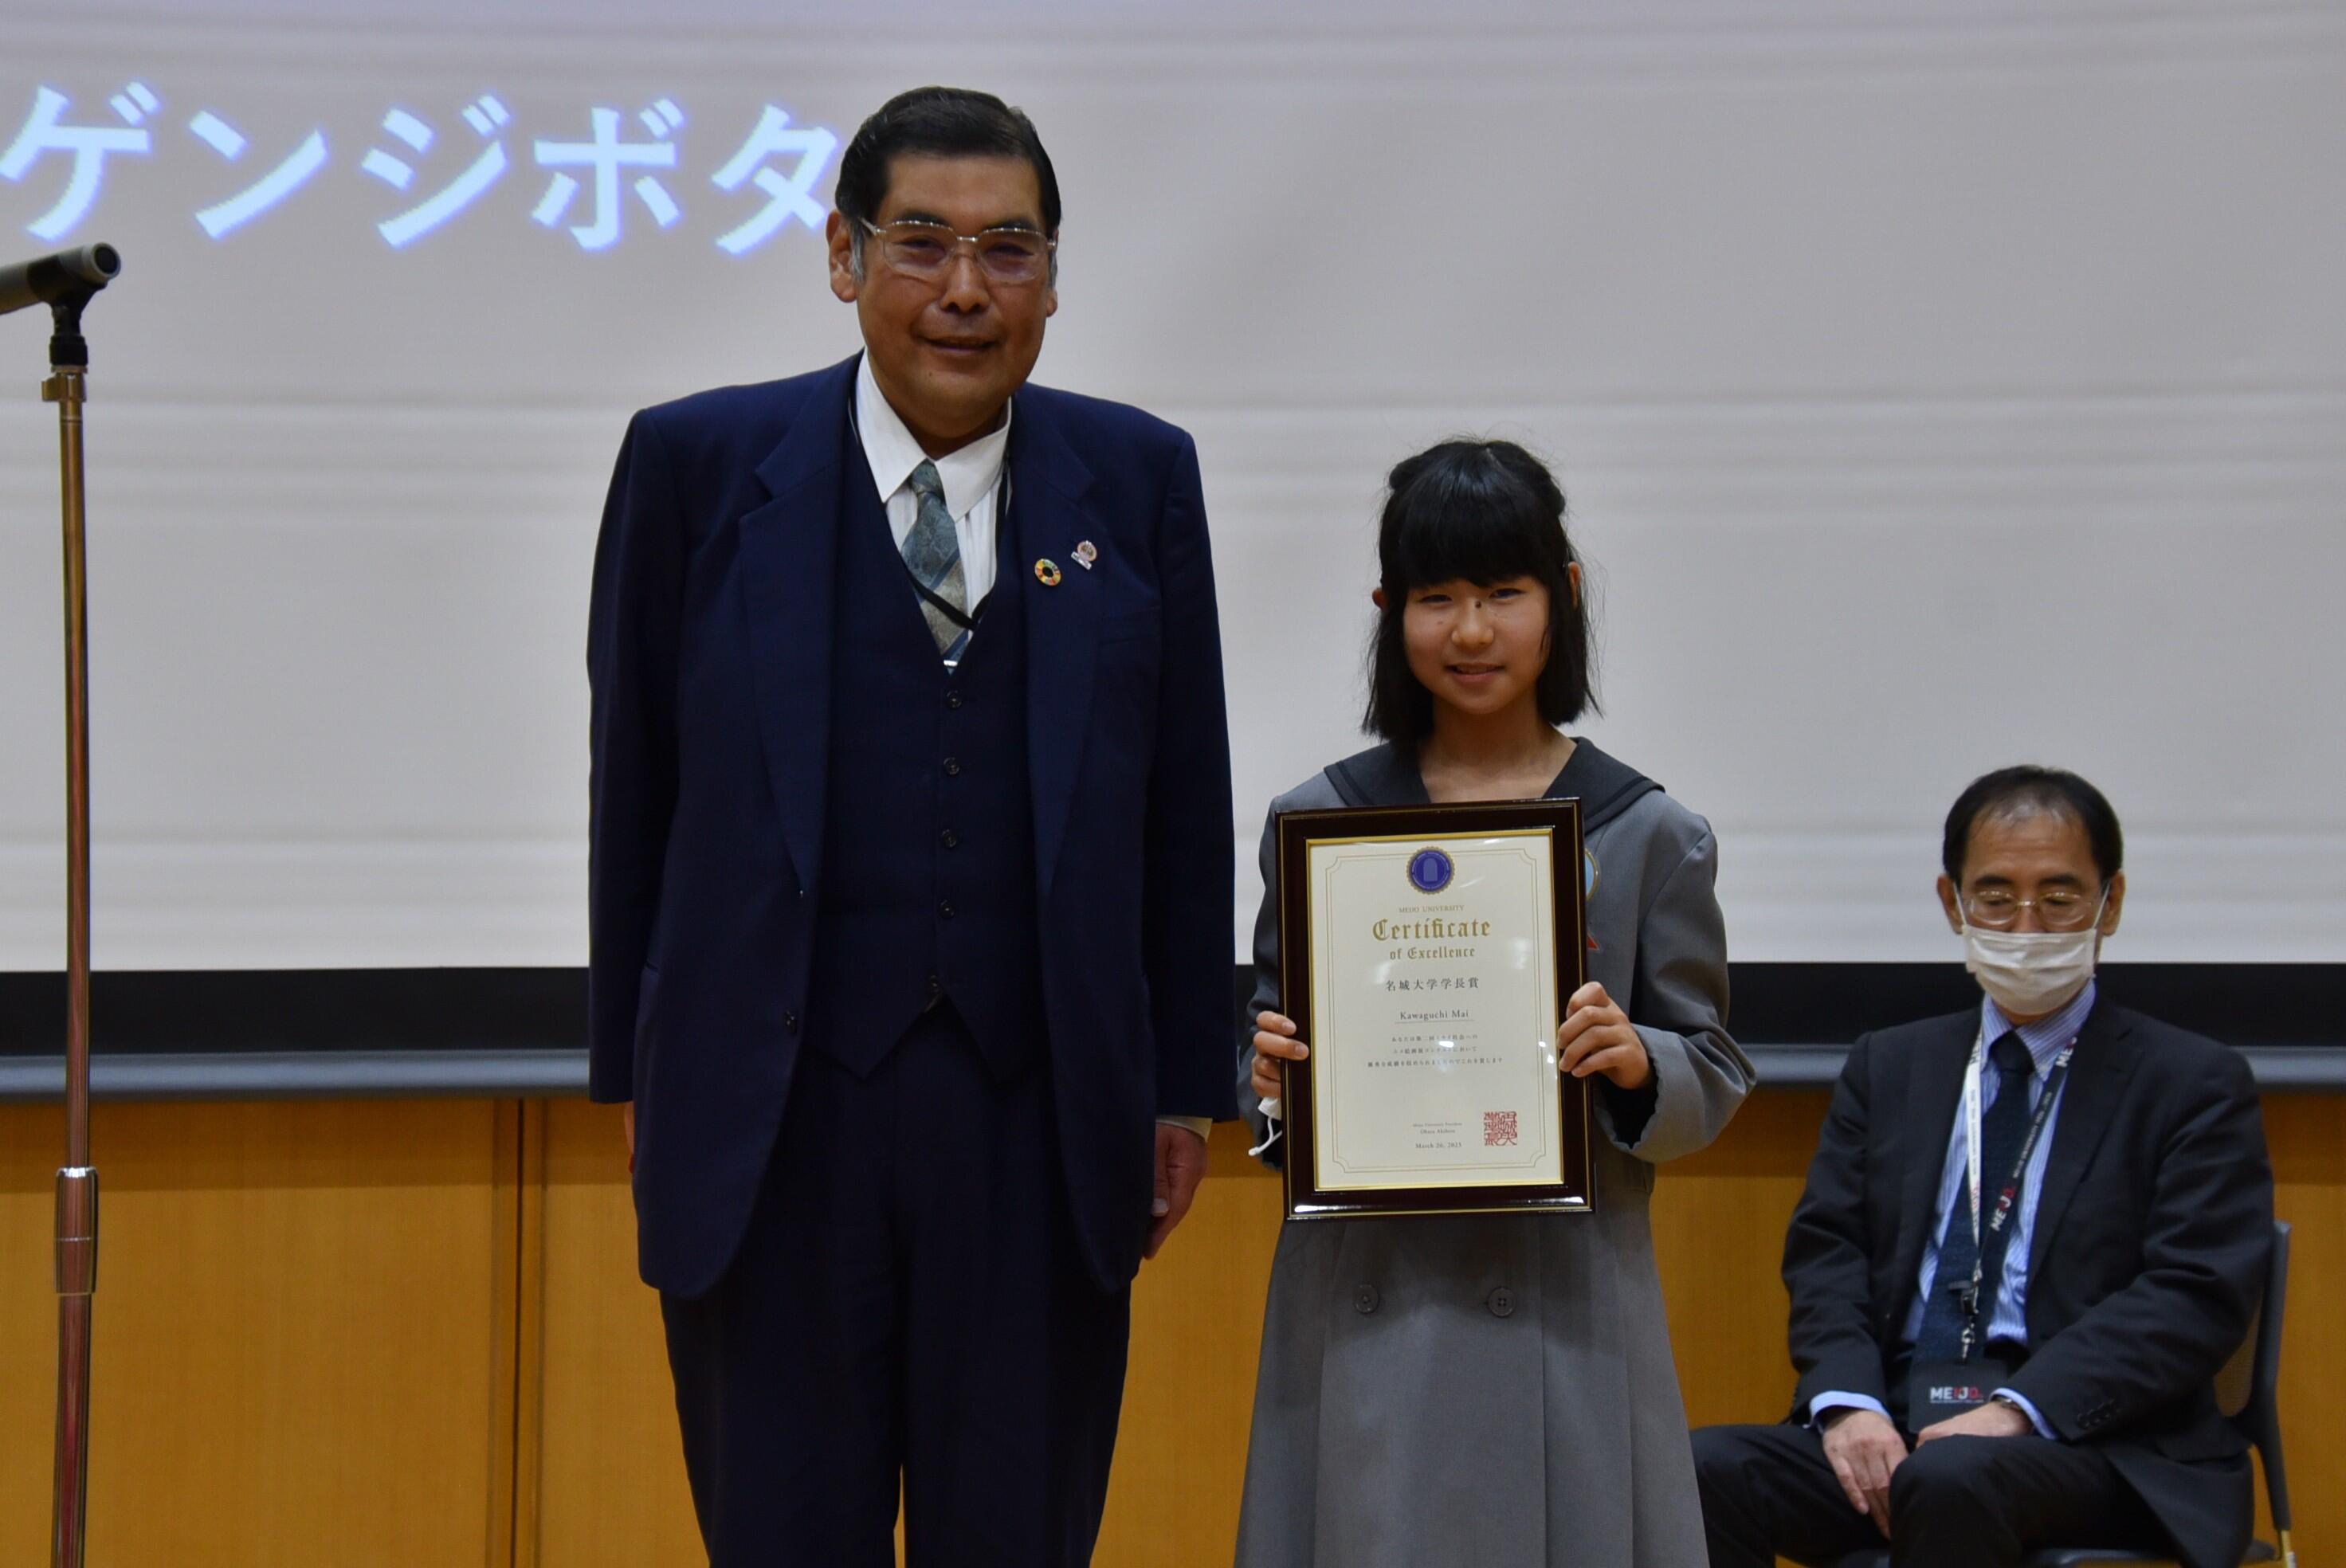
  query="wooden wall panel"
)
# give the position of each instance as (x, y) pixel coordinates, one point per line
(2308, 1147)
(294, 1353)
(611, 1486)
(411, 1333)
(1197, 1325)
(32, 1138)
(1718, 1238)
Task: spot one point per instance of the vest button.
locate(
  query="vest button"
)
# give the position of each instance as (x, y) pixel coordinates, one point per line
(936, 986)
(949, 838)
(953, 765)
(953, 699)
(1502, 1302)
(1365, 1299)
(790, 1023)
(945, 909)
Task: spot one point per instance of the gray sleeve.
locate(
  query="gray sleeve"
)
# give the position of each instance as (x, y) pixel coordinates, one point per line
(1266, 978)
(1700, 1074)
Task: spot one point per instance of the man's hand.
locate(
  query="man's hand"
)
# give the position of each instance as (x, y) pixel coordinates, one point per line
(1274, 1042)
(628, 1122)
(1598, 1037)
(1991, 1420)
(1180, 1167)
(1863, 1449)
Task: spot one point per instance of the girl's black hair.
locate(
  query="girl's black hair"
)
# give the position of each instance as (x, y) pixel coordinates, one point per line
(1479, 511)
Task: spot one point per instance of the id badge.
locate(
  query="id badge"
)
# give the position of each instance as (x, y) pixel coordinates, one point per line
(1944, 1388)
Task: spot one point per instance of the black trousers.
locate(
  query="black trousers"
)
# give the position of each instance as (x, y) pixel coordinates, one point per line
(908, 1309)
(1959, 1503)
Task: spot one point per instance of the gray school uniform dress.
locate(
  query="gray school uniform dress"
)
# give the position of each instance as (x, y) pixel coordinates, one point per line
(1497, 1390)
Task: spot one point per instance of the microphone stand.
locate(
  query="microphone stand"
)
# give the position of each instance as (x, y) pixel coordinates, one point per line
(77, 1234)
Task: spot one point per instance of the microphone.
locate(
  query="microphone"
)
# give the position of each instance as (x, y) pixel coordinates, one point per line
(82, 271)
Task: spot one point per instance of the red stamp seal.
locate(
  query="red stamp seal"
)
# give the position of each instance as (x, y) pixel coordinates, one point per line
(1499, 1131)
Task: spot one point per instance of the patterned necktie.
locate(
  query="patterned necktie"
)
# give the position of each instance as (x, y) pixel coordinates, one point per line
(932, 554)
(2003, 1126)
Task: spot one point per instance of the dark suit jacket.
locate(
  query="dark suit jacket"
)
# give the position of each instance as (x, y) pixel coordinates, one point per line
(2145, 1266)
(709, 657)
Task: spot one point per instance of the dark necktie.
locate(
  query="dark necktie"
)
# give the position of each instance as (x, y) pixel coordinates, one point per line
(932, 554)
(2003, 1126)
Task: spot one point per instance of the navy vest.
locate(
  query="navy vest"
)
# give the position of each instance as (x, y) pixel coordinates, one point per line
(928, 861)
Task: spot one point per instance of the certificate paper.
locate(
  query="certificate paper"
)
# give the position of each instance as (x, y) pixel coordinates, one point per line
(1436, 1012)
(1434, 962)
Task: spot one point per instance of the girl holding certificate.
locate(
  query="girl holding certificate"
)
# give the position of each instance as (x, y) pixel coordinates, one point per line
(1498, 1388)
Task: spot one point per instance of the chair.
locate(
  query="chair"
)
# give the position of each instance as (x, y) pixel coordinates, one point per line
(2247, 1391)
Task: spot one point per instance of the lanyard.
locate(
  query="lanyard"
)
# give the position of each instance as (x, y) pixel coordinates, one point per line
(2008, 1196)
(965, 619)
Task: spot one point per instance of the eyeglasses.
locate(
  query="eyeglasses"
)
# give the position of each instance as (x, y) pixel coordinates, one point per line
(925, 251)
(2062, 909)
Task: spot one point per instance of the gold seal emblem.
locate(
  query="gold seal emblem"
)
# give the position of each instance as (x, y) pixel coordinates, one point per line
(1047, 573)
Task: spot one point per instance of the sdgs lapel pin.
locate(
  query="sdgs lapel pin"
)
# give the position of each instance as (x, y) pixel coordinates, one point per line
(1047, 571)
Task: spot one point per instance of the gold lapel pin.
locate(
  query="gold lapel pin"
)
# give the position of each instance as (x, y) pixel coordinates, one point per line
(1086, 554)
(1047, 573)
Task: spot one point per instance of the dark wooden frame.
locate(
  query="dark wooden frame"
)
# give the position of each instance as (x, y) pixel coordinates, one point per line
(1306, 1199)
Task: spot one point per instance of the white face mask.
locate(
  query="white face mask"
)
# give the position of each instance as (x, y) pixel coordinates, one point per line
(2029, 973)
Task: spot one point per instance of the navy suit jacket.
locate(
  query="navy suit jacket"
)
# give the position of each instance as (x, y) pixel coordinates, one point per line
(2145, 1269)
(709, 654)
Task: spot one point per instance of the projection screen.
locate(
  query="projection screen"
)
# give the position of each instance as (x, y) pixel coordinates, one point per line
(1937, 385)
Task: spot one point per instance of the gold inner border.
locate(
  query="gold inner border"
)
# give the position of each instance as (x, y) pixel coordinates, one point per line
(1564, 1203)
(1320, 1174)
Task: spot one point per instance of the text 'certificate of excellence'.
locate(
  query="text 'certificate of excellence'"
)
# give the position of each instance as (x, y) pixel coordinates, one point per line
(1426, 955)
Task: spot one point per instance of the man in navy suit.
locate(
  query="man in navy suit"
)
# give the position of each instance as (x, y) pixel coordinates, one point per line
(1976, 1382)
(911, 909)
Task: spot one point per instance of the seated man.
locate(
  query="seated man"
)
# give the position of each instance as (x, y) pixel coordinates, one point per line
(2031, 1234)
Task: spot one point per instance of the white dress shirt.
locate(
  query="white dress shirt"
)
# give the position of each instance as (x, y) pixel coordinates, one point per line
(973, 494)
(972, 476)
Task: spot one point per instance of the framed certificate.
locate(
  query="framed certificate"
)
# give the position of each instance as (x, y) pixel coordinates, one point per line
(1425, 954)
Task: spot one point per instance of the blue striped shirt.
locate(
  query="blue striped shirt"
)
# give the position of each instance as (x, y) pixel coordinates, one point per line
(2044, 1038)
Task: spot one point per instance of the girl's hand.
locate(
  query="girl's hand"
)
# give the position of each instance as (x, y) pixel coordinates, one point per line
(1274, 1042)
(1595, 1037)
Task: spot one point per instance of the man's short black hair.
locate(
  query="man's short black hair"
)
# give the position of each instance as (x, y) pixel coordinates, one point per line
(1478, 511)
(949, 122)
(2023, 791)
